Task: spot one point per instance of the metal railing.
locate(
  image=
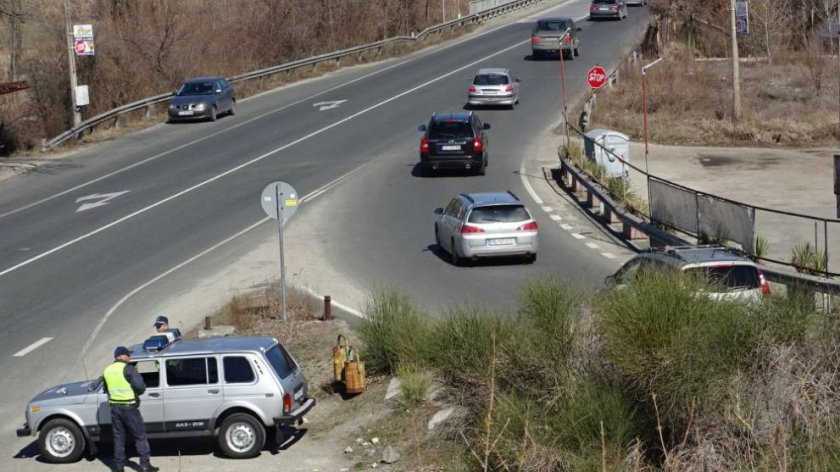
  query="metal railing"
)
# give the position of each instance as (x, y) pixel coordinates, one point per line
(145, 103)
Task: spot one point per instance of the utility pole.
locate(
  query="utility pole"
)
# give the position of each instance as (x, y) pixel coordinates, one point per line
(443, 11)
(736, 73)
(71, 57)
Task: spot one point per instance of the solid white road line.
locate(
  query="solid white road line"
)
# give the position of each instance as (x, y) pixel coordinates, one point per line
(32, 347)
(528, 187)
(608, 255)
(555, 217)
(306, 198)
(578, 236)
(258, 159)
(592, 245)
(567, 227)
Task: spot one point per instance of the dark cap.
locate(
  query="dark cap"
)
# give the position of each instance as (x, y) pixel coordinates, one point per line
(121, 351)
(161, 319)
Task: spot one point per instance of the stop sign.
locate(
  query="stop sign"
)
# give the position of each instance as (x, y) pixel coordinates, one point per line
(596, 77)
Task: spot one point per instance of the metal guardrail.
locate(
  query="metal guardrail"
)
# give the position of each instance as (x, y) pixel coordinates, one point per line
(331, 56)
(614, 210)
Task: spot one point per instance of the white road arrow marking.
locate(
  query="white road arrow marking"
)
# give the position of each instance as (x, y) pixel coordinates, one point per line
(328, 105)
(101, 199)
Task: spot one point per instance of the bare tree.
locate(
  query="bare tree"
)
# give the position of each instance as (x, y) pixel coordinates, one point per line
(771, 14)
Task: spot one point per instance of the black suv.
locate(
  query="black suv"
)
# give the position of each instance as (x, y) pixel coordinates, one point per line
(454, 141)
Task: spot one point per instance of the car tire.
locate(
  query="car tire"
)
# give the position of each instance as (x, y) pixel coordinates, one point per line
(437, 238)
(453, 254)
(577, 53)
(213, 115)
(425, 170)
(482, 169)
(531, 258)
(241, 436)
(61, 441)
(536, 55)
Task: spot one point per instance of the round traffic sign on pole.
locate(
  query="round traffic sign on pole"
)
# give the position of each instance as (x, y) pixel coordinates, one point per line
(279, 198)
(596, 77)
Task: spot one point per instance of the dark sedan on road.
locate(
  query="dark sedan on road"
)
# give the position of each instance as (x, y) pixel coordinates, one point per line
(202, 98)
(613, 9)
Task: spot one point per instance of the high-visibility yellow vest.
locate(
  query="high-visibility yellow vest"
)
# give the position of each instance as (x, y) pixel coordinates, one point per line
(119, 390)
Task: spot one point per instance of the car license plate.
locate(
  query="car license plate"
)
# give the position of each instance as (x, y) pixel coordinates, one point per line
(451, 148)
(490, 91)
(299, 394)
(604, 8)
(185, 113)
(501, 242)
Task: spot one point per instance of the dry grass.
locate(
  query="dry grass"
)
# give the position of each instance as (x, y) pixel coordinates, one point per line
(690, 103)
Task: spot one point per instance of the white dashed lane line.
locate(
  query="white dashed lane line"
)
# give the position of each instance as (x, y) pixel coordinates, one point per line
(592, 245)
(32, 347)
(555, 217)
(547, 209)
(578, 236)
(608, 255)
(567, 227)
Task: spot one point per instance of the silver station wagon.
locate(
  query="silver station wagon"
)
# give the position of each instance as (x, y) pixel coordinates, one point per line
(240, 390)
(488, 224)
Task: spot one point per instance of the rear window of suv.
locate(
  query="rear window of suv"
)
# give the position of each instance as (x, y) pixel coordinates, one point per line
(450, 130)
(499, 214)
(280, 361)
(737, 277)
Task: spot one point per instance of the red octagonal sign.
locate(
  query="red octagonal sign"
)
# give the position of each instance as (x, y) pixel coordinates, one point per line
(596, 77)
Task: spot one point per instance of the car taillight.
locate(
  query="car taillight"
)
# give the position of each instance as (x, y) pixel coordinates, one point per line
(532, 226)
(509, 89)
(424, 145)
(614, 8)
(593, 8)
(535, 39)
(765, 287)
(471, 89)
(567, 39)
(287, 403)
(478, 146)
(467, 229)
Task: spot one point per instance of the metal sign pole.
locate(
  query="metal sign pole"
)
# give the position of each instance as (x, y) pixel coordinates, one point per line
(277, 196)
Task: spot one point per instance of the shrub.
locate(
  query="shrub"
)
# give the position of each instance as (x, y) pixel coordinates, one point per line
(394, 331)
(666, 337)
(414, 384)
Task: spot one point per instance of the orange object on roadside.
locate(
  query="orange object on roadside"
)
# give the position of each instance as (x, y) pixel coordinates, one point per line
(339, 355)
(348, 366)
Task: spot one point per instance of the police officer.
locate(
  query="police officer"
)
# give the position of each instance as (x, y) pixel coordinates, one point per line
(124, 385)
(161, 324)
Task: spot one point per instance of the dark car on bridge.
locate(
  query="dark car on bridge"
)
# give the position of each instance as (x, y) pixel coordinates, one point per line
(202, 98)
(454, 141)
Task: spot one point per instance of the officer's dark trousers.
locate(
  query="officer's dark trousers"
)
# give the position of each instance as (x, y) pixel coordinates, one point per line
(127, 420)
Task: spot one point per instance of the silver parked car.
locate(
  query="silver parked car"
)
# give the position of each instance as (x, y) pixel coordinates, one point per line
(735, 276)
(493, 87)
(202, 98)
(237, 389)
(486, 224)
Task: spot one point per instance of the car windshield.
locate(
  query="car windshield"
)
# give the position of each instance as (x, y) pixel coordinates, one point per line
(491, 79)
(605, 2)
(499, 214)
(552, 25)
(195, 88)
(737, 277)
(450, 130)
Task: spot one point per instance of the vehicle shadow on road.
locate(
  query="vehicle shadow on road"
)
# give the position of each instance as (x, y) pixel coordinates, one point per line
(417, 171)
(444, 256)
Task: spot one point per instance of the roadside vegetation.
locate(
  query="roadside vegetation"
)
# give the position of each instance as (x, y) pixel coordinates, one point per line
(146, 48)
(653, 377)
(790, 77)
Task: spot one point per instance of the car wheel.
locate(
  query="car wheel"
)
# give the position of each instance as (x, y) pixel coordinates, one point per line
(61, 441)
(577, 53)
(437, 238)
(482, 169)
(531, 258)
(453, 253)
(213, 116)
(536, 54)
(241, 436)
(425, 170)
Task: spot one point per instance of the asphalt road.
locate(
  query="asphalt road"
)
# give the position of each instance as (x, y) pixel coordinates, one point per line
(90, 276)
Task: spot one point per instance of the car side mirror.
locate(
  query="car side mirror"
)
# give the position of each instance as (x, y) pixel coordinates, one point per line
(486, 125)
(438, 211)
(517, 79)
(421, 128)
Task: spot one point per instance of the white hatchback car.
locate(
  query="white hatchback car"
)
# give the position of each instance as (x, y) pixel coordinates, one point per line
(486, 224)
(493, 87)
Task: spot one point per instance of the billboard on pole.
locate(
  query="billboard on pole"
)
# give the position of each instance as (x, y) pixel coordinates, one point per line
(83, 40)
(742, 18)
